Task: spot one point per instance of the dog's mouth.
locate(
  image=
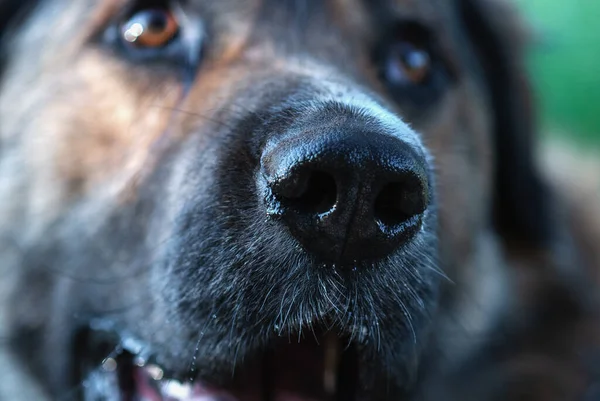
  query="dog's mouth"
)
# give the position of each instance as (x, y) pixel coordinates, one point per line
(317, 367)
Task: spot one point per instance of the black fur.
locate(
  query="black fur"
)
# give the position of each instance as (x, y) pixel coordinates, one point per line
(11, 13)
(523, 204)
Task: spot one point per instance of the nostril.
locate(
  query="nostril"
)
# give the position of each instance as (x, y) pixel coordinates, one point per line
(343, 191)
(315, 194)
(399, 201)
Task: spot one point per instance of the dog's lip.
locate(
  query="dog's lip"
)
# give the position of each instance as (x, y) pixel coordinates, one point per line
(126, 370)
(146, 382)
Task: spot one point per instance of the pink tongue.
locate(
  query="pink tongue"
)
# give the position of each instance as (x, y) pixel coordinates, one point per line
(295, 374)
(149, 389)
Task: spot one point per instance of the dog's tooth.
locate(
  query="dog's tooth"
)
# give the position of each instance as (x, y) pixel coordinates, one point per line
(154, 372)
(175, 390)
(109, 365)
(331, 361)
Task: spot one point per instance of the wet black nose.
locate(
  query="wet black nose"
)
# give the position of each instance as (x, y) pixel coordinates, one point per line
(347, 192)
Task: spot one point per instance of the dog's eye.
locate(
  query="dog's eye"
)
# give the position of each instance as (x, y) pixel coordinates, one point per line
(160, 34)
(150, 28)
(408, 64)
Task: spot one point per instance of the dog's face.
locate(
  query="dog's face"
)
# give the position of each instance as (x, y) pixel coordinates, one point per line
(249, 199)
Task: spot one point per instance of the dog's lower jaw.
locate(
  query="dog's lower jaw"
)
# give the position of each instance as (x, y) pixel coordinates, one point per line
(75, 302)
(320, 366)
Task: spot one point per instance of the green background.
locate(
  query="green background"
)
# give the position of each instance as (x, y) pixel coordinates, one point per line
(564, 63)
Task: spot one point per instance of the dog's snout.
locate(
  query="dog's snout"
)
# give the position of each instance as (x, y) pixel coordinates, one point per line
(347, 191)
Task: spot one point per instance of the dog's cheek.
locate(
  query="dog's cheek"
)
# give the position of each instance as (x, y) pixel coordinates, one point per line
(88, 130)
(459, 140)
(109, 139)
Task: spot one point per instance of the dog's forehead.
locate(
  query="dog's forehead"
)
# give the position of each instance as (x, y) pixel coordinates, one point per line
(329, 29)
(322, 15)
(290, 16)
(302, 9)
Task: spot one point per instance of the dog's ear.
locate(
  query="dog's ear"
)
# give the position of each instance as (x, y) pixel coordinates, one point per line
(522, 205)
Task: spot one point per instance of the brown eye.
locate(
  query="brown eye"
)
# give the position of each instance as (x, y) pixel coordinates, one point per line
(152, 28)
(411, 64)
(408, 64)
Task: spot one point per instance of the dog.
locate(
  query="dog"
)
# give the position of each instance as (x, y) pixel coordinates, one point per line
(284, 200)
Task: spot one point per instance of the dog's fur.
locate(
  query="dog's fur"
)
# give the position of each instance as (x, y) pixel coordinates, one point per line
(128, 193)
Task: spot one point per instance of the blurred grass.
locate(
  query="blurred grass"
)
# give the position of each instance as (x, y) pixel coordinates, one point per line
(565, 66)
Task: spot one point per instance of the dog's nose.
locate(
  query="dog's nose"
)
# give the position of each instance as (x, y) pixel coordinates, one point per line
(347, 192)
